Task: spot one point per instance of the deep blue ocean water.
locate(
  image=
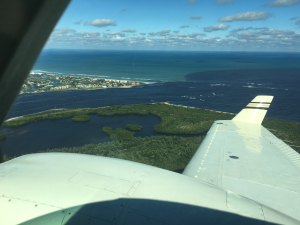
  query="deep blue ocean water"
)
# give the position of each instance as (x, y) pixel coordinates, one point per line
(222, 81)
(155, 65)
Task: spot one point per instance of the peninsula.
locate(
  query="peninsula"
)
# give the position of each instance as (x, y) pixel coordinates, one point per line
(37, 82)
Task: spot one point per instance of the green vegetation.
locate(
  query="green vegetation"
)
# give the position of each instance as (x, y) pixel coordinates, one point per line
(287, 131)
(171, 153)
(81, 118)
(2, 136)
(119, 134)
(133, 127)
(166, 152)
(175, 119)
(48, 115)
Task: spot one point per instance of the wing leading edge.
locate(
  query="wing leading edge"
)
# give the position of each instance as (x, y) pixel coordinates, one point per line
(242, 156)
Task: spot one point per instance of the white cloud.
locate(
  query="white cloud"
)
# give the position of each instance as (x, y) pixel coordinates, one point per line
(140, 38)
(191, 2)
(196, 34)
(196, 17)
(101, 23)
(176, 31)
(117, 39)
(248, 16)
(234, 32)
(88, 34)
(282, 3)
(151, 33)
(180, 35)
(129, 31)
(278, 32)
(117, 34)
(216, 27)
(78, 22)
(294, 18)
(160, 33)
(184, 26)
(223, 2)
(64, 31)
(163, 33)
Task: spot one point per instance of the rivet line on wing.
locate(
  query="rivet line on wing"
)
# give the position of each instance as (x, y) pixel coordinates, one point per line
(207, 150)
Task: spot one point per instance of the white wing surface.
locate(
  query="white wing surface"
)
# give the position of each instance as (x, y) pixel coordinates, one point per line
(77, 189)
(242, 156)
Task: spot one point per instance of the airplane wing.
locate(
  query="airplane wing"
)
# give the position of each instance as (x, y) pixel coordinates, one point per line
(242, 156)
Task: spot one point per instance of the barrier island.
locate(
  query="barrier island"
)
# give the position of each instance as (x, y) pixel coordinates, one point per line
(37, 82)
(167, 152)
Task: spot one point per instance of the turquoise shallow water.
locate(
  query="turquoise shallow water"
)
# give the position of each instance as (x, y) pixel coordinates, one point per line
(155, 65)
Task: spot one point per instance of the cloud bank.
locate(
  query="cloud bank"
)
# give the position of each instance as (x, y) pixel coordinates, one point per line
(250, 38)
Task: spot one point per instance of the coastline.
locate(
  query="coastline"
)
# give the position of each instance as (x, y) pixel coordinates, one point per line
(172, 118)
(167, 103)
(40, 82)
(183, 106)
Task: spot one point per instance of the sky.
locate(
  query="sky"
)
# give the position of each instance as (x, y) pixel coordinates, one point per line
(184, 25)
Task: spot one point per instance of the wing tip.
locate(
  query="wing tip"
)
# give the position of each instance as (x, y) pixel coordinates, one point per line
(256, 110)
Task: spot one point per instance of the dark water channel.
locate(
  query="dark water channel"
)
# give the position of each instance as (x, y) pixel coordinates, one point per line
(49, 134)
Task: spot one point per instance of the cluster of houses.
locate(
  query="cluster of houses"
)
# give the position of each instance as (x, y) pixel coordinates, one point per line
(44, 82)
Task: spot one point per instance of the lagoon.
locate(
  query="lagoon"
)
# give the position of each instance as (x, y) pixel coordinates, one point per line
(49, 134)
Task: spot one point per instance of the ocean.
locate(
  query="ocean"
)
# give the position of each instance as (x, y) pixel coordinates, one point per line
(155, 65)
(222, 81)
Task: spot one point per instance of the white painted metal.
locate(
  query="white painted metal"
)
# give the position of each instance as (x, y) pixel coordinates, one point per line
(61, 188)
(255, 111)
(266, 169)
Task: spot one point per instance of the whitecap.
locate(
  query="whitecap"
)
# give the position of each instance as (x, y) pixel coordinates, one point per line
(249, 86)
(217, 85)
